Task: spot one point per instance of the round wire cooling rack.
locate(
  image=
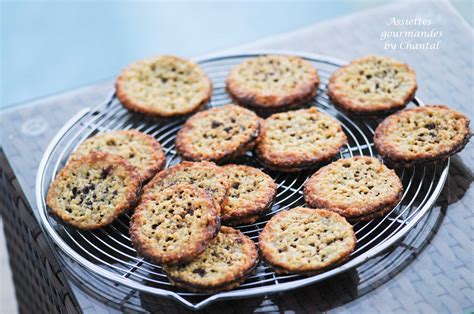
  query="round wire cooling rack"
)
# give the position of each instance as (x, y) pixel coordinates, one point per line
(109, 253)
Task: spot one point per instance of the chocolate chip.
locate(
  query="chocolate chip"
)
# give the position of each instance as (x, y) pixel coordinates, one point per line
(199, 271)
(74, 191)
(235, 185)
(368, 76)
(105, 172)
(190, 212)
(227, 129)
(89, 203)
(85, 190)
(215, 124)
(164, 80)
(430, 126)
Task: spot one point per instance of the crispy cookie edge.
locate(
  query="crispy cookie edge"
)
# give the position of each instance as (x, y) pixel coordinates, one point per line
(231, 280)
(355, 211)
(390, 153)
(273, 102)
(140, 243)
(129, 103)
(265, 237)
(94, 157)
(348, 105)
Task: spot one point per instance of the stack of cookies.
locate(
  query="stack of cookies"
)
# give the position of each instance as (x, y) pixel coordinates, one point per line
(177, 222)
(102, 179)
(178, 213)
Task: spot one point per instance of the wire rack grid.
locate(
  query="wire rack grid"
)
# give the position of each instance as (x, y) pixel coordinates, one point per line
(109, 253)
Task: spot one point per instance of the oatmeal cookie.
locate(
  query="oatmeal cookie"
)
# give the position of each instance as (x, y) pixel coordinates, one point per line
(422, 135)
(372, 86)
(294, 140)
(92, 191)
(358, 188)
(141, 150)
(174, 225)
(205, 175)
(164, 86)
(250, 195)
(218, 134)
(306, 241)
(222, 266)
(273, 83)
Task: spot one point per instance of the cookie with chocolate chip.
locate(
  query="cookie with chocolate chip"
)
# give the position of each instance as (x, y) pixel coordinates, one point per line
(250, 195)
(205, 175)
(164, 86)
(295, 140)
(92, 191)
(358, 188)
(372, 86)
(141, 150)
(174, 225)
(225, 263)
(218, 134)
(422, 135)
(306, 241)
(273, 83)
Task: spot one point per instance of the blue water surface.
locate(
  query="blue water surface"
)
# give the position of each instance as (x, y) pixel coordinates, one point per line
(47, 47)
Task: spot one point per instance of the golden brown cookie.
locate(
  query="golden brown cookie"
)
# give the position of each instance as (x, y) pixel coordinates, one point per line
(273, 83)
(306, 240)
(225, 263)
(205, 175)
(372, 86)
(164, 86)
(141, 150)
(250, 195)
(422, 135)
(218, 134)
(92, 191)
(174, 225)
(294, 140)
(358, 188)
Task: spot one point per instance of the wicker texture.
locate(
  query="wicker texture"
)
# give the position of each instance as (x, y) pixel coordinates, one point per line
(40, 284)
(430, 271)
